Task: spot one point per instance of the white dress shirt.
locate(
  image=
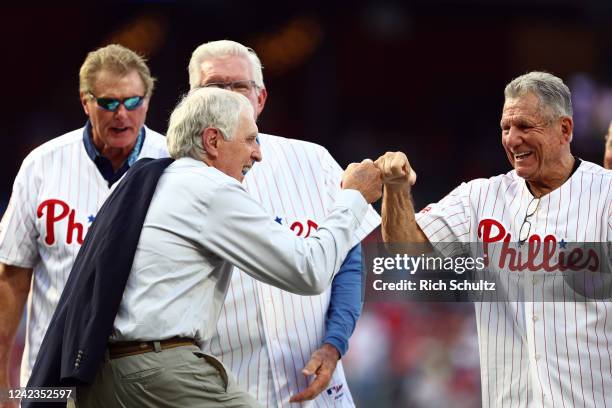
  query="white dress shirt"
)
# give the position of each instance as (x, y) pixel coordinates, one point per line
(200, 223)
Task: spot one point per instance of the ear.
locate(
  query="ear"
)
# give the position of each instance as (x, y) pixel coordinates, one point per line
(84, 99)
(261, 100)
(211, 140)
(567, 128)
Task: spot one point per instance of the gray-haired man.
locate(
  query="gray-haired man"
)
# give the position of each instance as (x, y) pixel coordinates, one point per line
(199, 224)
(277, 342)
(549, 352)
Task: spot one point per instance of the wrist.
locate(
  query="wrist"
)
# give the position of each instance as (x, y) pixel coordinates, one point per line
(330, 348)
(396, 188)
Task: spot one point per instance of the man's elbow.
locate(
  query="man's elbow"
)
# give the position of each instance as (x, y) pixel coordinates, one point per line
(314, 287)
(314, 282)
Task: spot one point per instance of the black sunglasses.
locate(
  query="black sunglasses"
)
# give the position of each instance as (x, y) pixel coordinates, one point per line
(112, 104)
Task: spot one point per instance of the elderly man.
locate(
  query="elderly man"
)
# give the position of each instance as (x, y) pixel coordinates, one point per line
(199, 223)
(60, 187)
(608, 152)
(270, 338)
(532, 353)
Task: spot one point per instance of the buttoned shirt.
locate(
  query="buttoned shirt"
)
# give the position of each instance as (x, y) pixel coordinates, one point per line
(200, 223)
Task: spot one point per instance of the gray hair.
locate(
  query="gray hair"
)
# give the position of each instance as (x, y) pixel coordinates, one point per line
(220, 49)
(555, 97)
(117, 59)
(200, 109)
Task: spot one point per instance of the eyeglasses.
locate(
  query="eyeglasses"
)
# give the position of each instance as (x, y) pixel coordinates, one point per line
(526, 227)
(243, 87)
(112, 104)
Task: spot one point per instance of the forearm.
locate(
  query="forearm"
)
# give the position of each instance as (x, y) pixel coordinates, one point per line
(14, 288)
(345, 302)
(398, 218)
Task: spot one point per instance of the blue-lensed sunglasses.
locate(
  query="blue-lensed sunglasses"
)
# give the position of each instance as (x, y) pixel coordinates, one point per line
(112, 104)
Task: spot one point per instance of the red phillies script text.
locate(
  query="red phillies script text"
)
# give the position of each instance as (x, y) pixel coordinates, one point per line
(492, 231)
(55, 211)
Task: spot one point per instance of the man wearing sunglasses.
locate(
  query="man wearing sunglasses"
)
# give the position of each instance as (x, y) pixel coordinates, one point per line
(60, 187)
(546, 344)
(282, 346)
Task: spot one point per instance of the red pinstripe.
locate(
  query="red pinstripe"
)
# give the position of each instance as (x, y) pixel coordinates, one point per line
(295, 216)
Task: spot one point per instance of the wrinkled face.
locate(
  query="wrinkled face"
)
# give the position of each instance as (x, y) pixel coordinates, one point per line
(608, 153)
(237, 156)
(532, 141)
(229, 69)
(118, 129)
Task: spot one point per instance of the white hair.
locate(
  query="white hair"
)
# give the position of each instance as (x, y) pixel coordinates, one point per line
(555, 97)
(220, 49)
(200, 109)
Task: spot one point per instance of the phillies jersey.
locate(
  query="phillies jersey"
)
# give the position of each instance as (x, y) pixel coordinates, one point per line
(266, 335)
(536, 351)
(55, 198)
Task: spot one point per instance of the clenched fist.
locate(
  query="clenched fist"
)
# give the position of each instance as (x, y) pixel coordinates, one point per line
(365, 178)
(396, 171)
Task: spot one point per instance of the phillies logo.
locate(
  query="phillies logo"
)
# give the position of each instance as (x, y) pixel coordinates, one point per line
(54, 211)
(492, 231)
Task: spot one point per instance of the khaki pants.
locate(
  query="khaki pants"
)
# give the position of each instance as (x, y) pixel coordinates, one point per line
(176, 377)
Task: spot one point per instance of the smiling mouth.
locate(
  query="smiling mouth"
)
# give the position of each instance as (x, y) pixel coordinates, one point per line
(119, 129)
(521, 156)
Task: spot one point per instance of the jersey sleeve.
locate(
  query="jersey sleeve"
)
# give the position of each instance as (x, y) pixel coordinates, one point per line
(345, 302)
(446, 223)
(18, 231)
(333, 178)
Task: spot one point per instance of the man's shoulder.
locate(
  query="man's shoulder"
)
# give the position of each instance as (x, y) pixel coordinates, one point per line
(154, 136)
(155, 145)
(587, 167)
(500, 180)
(281, 141)
(65, 141)
(192, 172)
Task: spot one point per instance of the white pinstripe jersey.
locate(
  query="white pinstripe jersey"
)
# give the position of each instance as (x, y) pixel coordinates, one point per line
(266, 335)
(55, 197)
(553, 353)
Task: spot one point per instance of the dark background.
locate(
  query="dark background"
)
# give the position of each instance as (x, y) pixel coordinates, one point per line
(360, 78)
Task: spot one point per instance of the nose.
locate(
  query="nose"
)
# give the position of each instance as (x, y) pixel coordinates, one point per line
(256, 153)
(513, 138)
(121, 111)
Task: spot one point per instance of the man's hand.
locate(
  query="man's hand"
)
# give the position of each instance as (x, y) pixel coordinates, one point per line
(397, 174)
(365, 178)
(322, 364)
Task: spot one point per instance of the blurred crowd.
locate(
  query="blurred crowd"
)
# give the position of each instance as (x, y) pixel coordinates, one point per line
(415, 355)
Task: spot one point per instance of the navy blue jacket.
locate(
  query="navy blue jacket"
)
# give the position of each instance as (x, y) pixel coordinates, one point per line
(76, 340)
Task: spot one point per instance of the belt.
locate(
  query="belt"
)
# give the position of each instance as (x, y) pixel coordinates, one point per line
(131, 348)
